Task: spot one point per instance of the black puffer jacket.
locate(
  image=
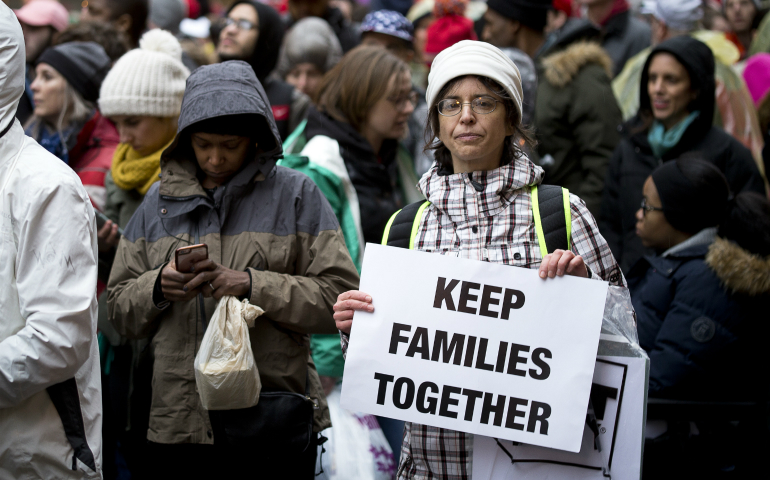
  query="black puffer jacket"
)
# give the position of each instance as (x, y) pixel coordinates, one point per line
(633, 160)
(375, 178)
(700, 313)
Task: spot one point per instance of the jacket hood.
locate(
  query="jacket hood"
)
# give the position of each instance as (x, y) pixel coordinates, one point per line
(560, 68)
(12, 65)
(226, 89)
(698, 60)
(271, 30)
(352, 144)
(739, 270)
(574, 30)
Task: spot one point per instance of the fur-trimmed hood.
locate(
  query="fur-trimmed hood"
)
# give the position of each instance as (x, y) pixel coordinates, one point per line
(739, 270)
(560, 68)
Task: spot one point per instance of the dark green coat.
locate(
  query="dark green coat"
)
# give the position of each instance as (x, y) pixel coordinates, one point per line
(577, 119)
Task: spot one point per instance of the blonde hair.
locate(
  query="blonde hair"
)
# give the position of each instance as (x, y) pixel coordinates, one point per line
(74, 109)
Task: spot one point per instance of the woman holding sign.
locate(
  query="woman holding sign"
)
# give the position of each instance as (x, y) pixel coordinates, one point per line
(481, 208)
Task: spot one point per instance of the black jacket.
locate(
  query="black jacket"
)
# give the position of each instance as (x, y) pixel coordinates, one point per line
(633, 161)
(698, 321)
(374, 177)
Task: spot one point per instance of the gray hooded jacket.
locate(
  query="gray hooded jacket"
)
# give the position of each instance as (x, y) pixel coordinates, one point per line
(270, 221)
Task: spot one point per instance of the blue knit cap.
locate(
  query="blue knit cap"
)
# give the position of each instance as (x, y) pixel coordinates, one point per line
(390, 23)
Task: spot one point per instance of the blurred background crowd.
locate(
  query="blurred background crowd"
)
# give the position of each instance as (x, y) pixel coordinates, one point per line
(613, 92)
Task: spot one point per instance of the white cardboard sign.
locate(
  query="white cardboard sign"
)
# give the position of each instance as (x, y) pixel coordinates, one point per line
(618, 400)
(473, 346)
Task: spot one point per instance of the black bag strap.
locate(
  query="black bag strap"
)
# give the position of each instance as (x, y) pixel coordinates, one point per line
(551, 212)
(553, 219)
(401, 229)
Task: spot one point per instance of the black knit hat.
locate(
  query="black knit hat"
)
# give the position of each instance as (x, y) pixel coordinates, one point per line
(694, 194)
(532, 13)
(83, 64)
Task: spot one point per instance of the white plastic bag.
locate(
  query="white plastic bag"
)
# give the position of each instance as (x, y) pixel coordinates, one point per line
(225, 370)
(357, 449)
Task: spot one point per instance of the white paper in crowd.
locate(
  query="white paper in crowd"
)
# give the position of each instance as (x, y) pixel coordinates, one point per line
(618, 398)
(528, 347)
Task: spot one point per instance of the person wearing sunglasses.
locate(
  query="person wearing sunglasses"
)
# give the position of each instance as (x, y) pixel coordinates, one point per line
(480, 208)
(701, 303)
(253, 32)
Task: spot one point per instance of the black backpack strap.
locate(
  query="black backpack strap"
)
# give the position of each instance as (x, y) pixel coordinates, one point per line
(403, 225)
(553, 218)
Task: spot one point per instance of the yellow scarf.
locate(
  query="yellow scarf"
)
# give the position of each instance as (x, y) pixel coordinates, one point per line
(132, 171)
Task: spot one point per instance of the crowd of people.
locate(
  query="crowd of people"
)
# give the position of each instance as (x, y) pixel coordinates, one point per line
(285, 135)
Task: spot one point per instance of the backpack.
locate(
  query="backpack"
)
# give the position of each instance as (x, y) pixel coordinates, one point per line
(550, 208)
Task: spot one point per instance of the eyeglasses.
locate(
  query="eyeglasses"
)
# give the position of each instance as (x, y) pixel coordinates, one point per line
(240, 24)
(400, 102)
(482, 105)
(649, 208)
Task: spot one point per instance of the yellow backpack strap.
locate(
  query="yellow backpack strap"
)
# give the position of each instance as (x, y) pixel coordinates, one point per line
(553, 218)
(404, 225)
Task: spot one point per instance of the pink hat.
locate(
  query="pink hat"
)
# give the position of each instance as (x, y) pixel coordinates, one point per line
(757, 76)
(41, 13)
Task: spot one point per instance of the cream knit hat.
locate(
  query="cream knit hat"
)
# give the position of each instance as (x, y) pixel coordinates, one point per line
(470, 57)
(148, 80)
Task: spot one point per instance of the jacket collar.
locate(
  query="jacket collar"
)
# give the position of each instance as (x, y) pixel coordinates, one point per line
(180, 191)
(353, 146)
(695, 247)
(702, 239)
(492, 190)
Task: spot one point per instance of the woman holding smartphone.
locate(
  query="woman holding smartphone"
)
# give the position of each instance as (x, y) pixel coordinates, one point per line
(272, 239)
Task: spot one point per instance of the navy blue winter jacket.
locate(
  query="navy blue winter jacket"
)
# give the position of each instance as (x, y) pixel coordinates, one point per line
(702, 316)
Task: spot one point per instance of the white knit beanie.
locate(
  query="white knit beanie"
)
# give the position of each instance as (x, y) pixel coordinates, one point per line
(471, 57)
(148, 80)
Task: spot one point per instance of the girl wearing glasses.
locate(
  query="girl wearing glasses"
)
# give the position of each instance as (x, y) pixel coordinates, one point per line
(352, 138)
(481, 209)
(700, 302)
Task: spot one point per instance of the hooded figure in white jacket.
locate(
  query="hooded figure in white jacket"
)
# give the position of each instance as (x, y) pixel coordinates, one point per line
(50, 393)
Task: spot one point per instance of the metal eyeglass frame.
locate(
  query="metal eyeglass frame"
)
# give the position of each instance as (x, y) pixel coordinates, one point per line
(438, 106)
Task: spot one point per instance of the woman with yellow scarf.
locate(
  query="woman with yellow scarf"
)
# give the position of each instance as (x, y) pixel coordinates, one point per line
(142, 95)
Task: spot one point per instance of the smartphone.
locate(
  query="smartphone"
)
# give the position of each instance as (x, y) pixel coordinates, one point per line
(101, 219)
(186, 257)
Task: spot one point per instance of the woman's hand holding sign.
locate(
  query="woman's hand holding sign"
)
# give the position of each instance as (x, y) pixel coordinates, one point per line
(555, 264)
(347, 303)
(559, 262)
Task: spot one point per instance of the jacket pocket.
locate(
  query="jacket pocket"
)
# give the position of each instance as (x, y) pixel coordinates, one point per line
(524, 254)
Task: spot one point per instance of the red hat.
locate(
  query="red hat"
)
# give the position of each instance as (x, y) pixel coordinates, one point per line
(564, 6)
(44, 13)
(449, 28)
